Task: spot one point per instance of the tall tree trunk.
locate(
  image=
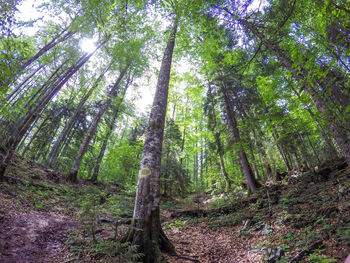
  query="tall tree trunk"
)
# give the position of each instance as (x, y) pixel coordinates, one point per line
(183, 135)
(195, 169)
(54, 78)
(245, 166)
(93, 127)
(219, 147)
(108, 134)
(258, 142)
(252, 157)
(69, 124)
(146, 231)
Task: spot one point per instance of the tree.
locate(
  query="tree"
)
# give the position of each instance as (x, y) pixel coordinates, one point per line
(232, 122)
(24, 124)
(217, 133)
(111, 125)
(146, 231)
(113, 92)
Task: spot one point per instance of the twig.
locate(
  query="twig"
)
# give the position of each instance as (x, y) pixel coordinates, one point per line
(268, 200)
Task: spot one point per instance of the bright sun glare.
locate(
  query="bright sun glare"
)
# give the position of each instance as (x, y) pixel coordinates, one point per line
(87, 45)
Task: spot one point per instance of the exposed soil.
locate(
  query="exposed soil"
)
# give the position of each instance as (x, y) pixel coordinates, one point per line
(33, 237)
(201, 244)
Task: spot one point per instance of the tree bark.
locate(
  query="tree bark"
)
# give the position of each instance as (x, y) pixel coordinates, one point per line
(245, 166)
(146, 230)
(331, 151)
(93, 127)
(262, 152)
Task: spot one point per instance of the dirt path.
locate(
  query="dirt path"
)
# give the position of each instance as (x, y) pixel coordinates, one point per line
(200, 243)
(33, 237)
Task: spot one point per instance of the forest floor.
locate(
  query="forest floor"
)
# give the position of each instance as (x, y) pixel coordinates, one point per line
(45, 219)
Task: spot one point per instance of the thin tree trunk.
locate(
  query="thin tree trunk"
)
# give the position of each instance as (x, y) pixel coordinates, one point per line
(35, 134)
(313, 149)
(22, 83)
(195, 169)
(183, 135)
(263, 154)
(69, 124)
(54, 42)
(331, 151)
(109, 132)
(220, 150)
(146, 231)
(252, 157)
(93, 127)
(21, 144)
(55, 76)
(245, 166)
(281, 150)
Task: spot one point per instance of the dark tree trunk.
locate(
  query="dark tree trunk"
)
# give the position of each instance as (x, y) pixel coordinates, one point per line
(245, 166)
(109, 132)
(93, 127)
(220, 149)
(146, 231)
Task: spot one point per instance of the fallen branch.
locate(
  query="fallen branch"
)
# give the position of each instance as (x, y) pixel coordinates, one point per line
(214, 212)
(306, 252)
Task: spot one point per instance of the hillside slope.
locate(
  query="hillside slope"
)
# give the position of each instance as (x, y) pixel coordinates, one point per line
(305, 218)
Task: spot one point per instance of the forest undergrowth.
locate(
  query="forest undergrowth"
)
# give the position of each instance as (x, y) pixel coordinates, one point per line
(303, 219)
